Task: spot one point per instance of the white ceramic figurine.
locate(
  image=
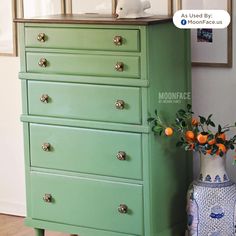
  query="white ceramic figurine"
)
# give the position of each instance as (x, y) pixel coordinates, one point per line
(132, 8)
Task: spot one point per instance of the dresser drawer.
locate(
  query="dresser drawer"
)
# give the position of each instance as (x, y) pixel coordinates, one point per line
(88, 203)
(82, 101)
(86, 150)
(84, 64)
(88, 39)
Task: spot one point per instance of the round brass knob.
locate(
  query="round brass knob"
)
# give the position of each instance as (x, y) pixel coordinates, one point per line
(44, 98)
(46, 147)
(47, 197)
(41, 37)
(120, 104)
(121, 156)
(118, 40)
(119, 66)
(123, 209)
(43, 62)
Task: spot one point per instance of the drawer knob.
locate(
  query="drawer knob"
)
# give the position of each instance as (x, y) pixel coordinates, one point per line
(41, 37)
(118, 40)
(46, 147)
(47, 197)
(121, 156)
(123, 209)
(120, 104)
(43, 62)
(44, 98)
(119, 66)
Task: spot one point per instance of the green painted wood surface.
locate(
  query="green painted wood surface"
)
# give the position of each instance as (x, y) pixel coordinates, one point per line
(167, 172)
(88, 203)
(83, 64)
(85, 79)
(86, 124)
(76, 38)
(71, 228)
(86, 150)
(83, 101)
(159, 198)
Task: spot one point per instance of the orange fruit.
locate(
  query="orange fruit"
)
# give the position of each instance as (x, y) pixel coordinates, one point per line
(212, 141)
(169, 131)
(209, 151)
(189, 135)
(222, 148)
(221, 136)
(202, 138)
(194, 122)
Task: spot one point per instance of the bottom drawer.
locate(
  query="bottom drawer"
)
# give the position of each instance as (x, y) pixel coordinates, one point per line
(87, 203)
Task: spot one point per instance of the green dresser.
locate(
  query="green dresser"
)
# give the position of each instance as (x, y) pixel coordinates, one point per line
(93, 165)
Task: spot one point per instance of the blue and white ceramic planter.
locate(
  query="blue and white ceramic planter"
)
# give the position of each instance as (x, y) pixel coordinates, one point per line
(211, 200)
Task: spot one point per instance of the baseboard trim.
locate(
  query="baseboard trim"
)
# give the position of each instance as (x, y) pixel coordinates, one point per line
(12, 208)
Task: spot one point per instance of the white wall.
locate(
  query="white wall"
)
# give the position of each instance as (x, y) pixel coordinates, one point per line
(12, 190)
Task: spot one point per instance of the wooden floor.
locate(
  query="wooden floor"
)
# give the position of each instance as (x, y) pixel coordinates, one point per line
(14, 226)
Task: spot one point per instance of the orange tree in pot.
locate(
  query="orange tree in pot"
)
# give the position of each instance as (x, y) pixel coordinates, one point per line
(211, 199)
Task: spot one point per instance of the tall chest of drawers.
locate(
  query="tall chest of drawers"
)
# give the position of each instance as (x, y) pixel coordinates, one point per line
(93, 165)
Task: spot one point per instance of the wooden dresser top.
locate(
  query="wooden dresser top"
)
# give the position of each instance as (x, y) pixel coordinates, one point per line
(94, 19)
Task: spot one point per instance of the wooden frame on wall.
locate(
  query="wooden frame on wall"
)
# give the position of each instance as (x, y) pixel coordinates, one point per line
(213, 48)
(22, 7)
(13, 42)
(69, 7)
(176, 5)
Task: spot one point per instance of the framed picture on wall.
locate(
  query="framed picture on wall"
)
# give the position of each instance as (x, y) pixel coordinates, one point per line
(211, 47)
(91, 6)
(35, 8)
(158, 7)
(8, 31)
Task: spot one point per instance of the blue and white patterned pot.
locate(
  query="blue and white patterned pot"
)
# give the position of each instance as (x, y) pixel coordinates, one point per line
(211, 200)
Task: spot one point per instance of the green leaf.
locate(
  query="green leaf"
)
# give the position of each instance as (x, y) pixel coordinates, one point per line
(214, 149)
(157, 129)
(210, 137)
(204, 151)
(187, 148)
(202, 119)
(189, 107)
(209, 117)
(220, 140)
(207, 146)
(221, 154)
(179, 144)
(181, 112)
(212, 124)
(151, 119)
(219, 129)
(156, 112)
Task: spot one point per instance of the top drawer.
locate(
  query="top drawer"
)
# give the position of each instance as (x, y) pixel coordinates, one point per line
(83, 39)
